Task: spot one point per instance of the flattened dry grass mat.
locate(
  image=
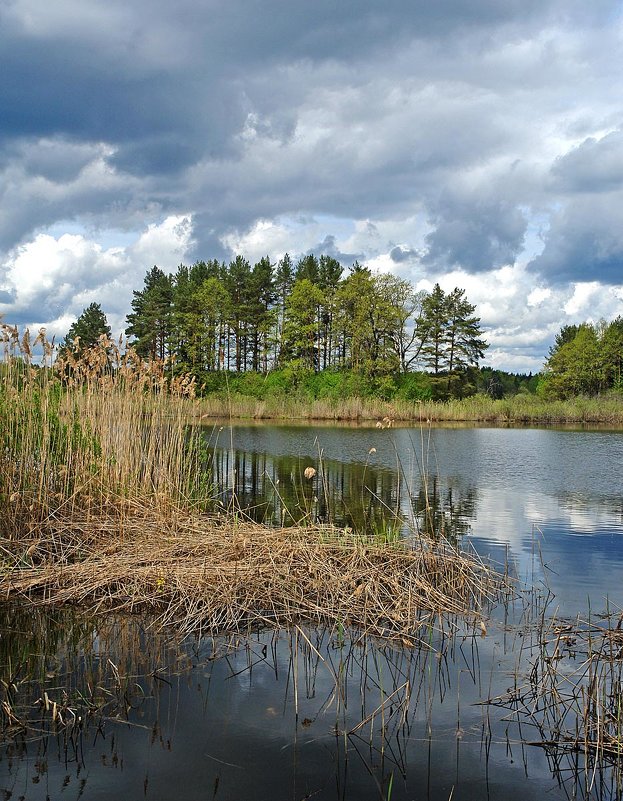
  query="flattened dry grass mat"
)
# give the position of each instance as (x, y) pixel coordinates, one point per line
(220, 575)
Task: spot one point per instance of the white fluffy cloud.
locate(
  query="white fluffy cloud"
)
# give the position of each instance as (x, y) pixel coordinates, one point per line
(50, 280)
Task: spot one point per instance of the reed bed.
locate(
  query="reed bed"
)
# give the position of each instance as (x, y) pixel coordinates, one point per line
(520, 409)
(91, 431)
(107, 496)
(204, 574)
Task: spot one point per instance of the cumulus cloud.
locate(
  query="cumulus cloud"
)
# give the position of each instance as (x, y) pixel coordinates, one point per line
(50, 280)
(429, 139)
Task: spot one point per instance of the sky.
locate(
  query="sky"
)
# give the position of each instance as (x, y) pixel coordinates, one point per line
(474, 143)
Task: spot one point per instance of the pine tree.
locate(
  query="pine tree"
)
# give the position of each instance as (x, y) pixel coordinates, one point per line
(451, 337)
(87, 329)
(150, 321)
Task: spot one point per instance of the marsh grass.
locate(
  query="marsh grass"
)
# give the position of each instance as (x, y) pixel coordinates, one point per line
(523, 408)
(107, 495)
(80, 679)
(567, 699)
(93, 431)
(63, 674)
(202, 573)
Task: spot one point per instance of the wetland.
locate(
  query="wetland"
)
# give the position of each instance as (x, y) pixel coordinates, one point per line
(519, 697)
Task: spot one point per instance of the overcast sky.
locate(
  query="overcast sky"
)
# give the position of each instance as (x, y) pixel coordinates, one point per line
(477, 143)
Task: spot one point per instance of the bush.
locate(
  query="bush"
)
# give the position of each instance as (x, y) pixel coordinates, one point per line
(414, 387)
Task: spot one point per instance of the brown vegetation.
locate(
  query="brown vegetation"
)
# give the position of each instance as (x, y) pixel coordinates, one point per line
(107, 502)
(221, 574)
(521, 409)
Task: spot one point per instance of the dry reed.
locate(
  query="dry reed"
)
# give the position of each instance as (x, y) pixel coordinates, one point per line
(202, 573)
(571, 702)
(106, 493)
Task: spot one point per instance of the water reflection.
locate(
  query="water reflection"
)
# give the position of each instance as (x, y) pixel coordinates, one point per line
(364, 496)
(318, 713)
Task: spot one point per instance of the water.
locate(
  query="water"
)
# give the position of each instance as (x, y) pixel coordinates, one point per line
(318, 713)
(510, 492)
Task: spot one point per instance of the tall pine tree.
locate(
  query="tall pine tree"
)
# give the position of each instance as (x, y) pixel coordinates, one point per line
(87, 329)
(150, 321)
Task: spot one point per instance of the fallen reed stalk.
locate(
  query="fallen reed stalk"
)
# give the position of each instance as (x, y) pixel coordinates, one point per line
(572, 702)
(215, 575)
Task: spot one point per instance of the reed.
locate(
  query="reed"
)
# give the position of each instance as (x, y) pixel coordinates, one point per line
(89, 432)
(108, 495)
(569, 697)
(213, 575)
(519, 409)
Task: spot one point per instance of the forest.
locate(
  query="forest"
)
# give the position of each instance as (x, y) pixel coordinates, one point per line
(300, 320)
(272, 329)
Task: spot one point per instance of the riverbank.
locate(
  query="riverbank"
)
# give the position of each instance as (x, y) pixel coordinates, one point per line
(523, 409)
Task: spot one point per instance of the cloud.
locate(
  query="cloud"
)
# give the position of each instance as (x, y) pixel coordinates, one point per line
(52, 279)
(477, 235)
(596, 165)
(584, 241)
(400, 254)
(429, 139)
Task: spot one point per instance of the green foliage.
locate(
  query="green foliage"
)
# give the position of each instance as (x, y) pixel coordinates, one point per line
(414, 387)
(150, 322)
(585, 360)
(301, 324)
(87, 329)
(236, 318)
(500, 384)
(451, 340)
(338, 385)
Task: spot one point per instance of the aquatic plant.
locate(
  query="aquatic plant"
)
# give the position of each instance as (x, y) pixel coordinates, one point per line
(91, 431)
(110, 507)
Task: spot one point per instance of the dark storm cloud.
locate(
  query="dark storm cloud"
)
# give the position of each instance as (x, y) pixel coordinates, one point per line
(116, 114)
(594, 166)
(475, 234)
(584, 242)
(584, 239)
(160, 156)
(59, 161)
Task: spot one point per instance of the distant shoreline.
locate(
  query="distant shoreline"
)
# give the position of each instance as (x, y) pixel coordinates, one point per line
(519, 409)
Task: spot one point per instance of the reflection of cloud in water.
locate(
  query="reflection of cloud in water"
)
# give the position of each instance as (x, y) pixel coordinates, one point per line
(581, 546)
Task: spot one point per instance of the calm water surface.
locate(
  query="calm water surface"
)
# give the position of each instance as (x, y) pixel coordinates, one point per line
(318, 713)
(506, 491)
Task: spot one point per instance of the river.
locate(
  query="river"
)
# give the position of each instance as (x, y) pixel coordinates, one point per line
(320, 713)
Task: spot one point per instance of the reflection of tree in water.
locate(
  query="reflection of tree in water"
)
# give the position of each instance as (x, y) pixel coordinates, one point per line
(611, 505)
(274, 489)
(443, 510)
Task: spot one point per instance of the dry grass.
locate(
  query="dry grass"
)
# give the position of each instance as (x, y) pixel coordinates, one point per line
(520, 409)
(106, 495)
(217, 575)
(91, 432)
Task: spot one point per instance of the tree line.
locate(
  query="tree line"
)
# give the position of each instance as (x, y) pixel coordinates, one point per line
(309, 316)
(585, 359)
